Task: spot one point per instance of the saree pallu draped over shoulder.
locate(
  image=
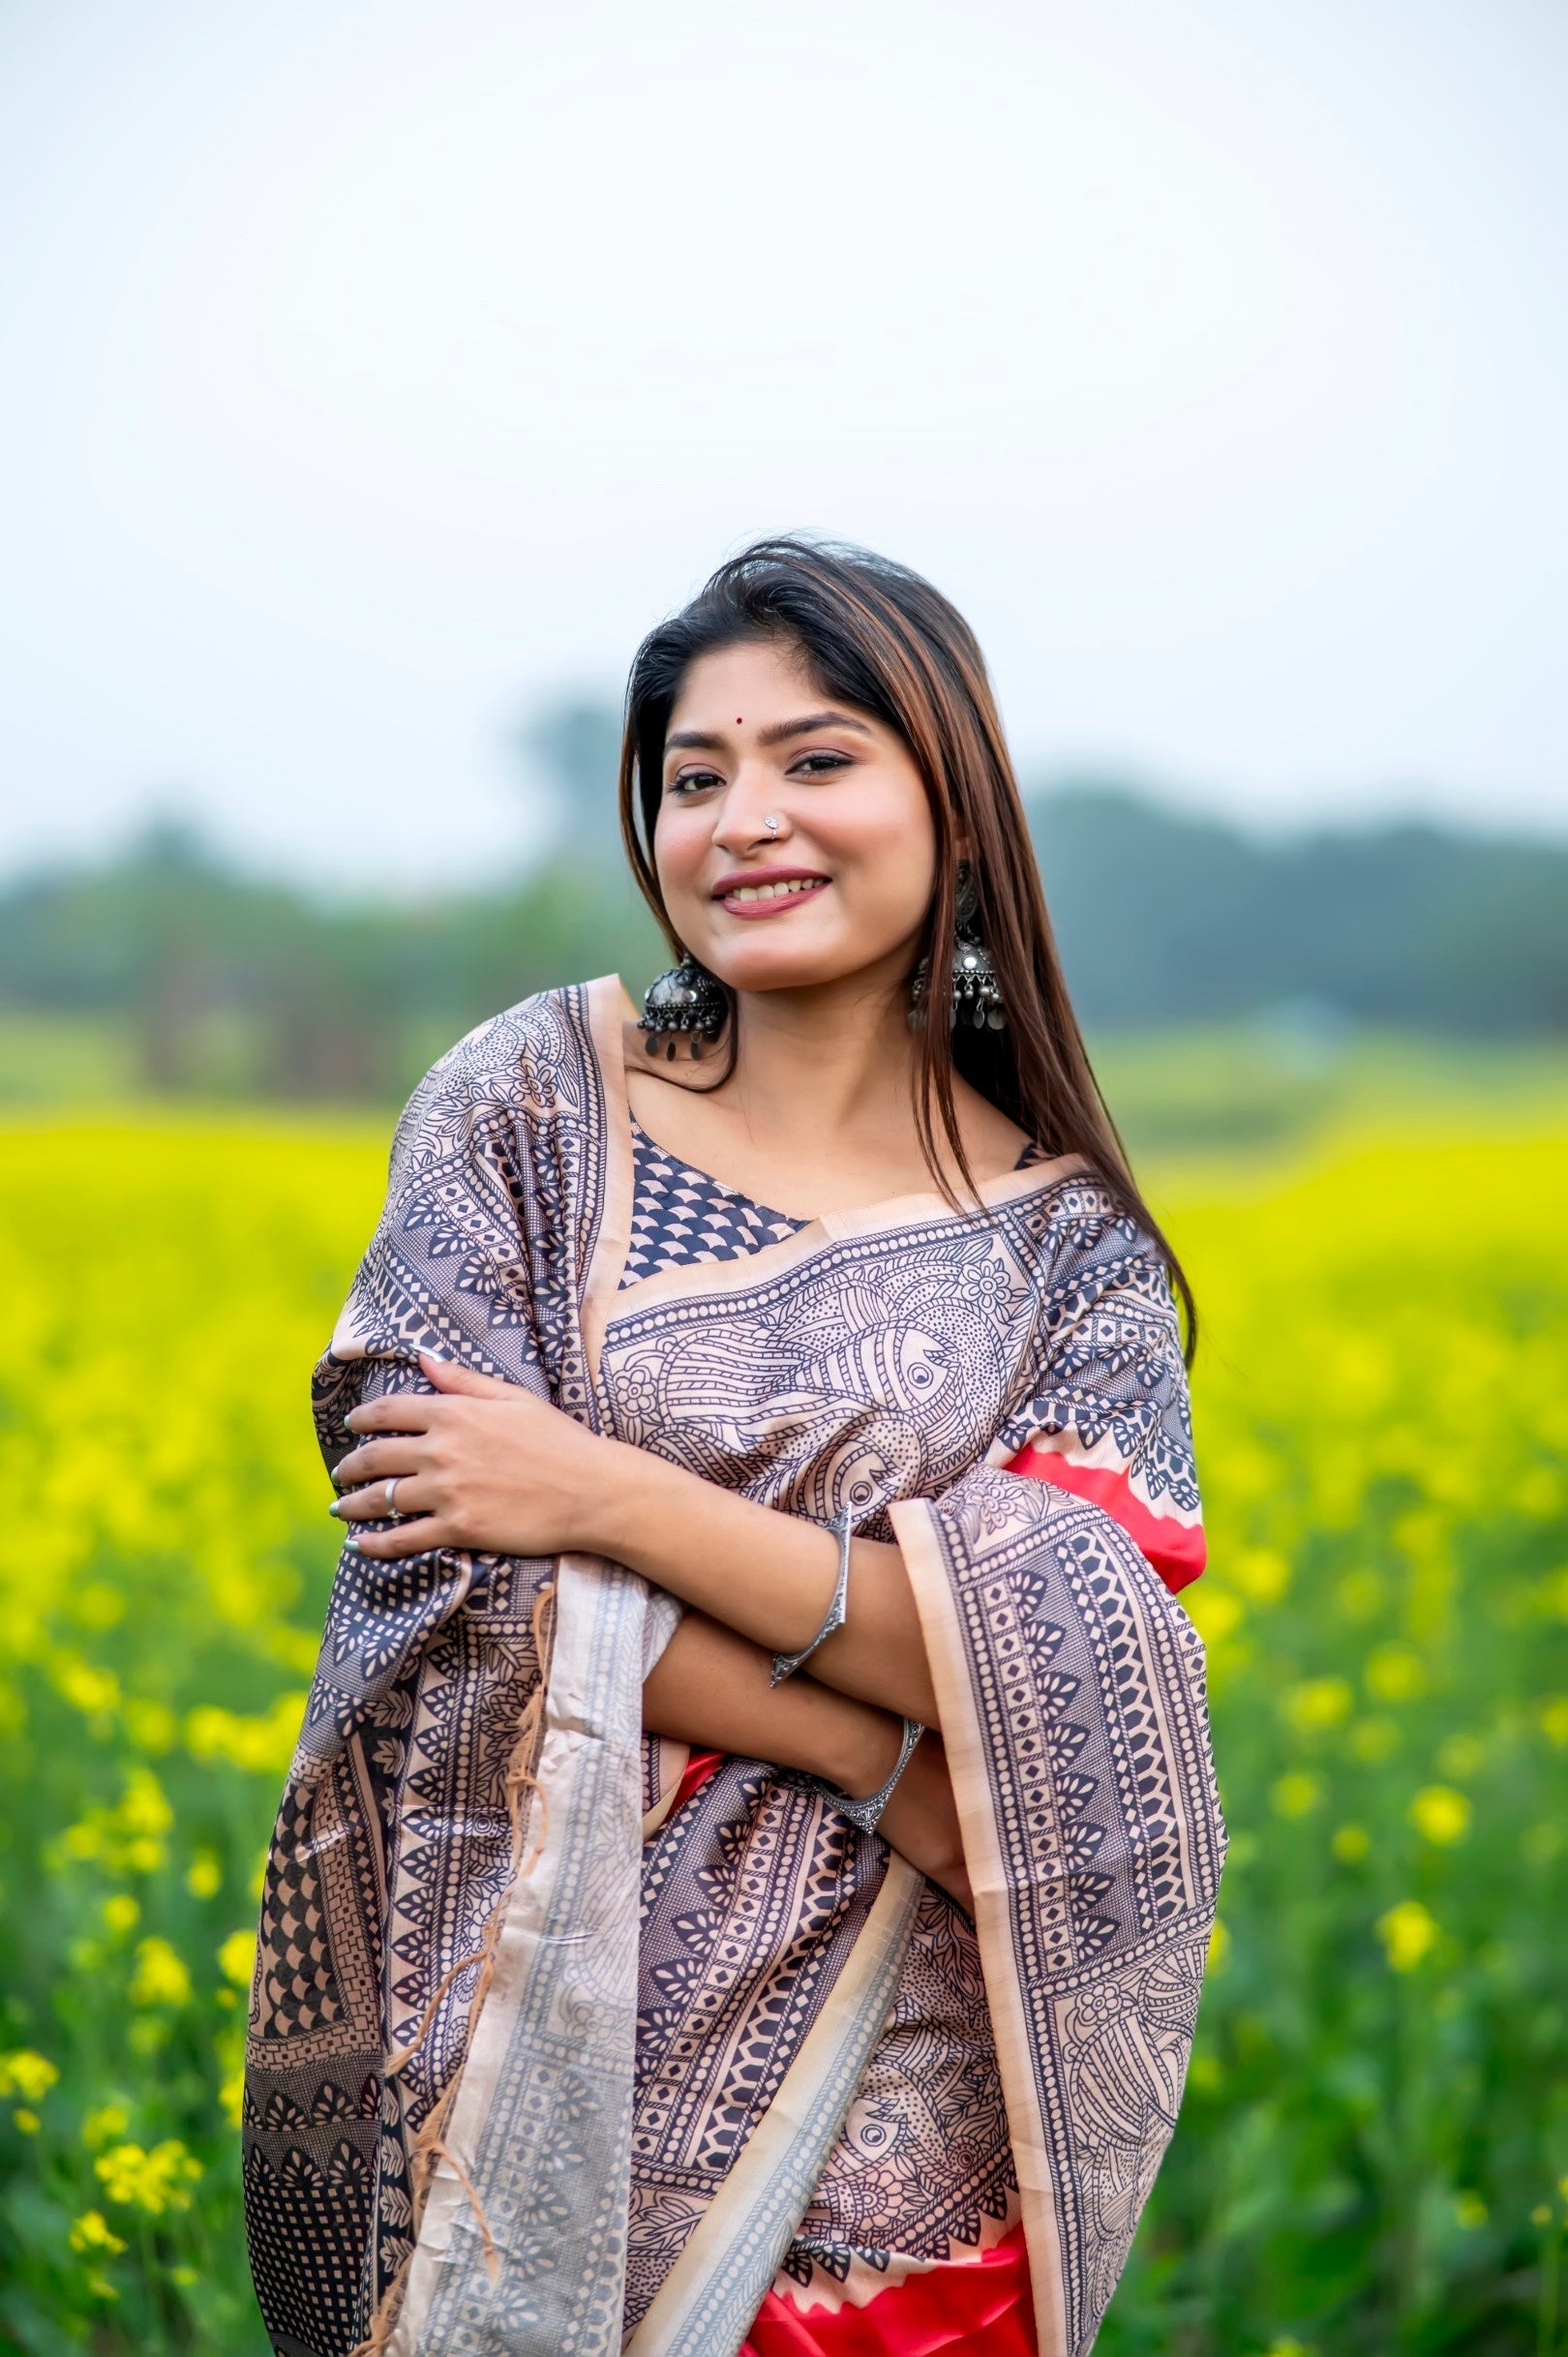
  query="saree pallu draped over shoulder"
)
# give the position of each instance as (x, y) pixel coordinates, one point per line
(537, 2068)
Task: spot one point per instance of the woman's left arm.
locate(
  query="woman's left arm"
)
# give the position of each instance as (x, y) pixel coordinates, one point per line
(486, 1466)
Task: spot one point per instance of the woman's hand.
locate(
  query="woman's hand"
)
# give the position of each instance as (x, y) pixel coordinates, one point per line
(710, 1686)
(483, 1464)
(920, 1821)
(486, 1465)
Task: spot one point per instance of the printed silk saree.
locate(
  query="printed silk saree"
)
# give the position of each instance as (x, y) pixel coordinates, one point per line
(556, 2046)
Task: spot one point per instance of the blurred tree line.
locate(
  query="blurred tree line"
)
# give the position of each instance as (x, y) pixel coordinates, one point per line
(219, 983)
(1167, 917)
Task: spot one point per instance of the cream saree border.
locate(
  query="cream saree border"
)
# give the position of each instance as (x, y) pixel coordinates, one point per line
(713, 2293)
(555, 2036)
(1070, 1679)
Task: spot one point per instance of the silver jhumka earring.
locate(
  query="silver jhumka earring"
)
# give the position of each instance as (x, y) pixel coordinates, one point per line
(686, 1001)
(976, 995)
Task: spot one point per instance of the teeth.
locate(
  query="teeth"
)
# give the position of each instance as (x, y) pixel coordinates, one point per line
(774, 892)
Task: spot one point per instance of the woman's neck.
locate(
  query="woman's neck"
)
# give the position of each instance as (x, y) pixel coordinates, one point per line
(818, 1114)
(833, 1064)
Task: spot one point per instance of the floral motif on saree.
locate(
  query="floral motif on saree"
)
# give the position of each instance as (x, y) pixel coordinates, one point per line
(485, 2107)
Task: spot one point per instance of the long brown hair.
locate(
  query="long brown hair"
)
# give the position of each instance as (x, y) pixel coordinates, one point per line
(881, 639)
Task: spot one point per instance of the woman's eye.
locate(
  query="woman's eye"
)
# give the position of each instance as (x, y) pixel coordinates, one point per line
(819, 765)
(692, 781)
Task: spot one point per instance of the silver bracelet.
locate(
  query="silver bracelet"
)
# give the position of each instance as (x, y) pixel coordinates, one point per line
(785, 1665)
(866, 1813)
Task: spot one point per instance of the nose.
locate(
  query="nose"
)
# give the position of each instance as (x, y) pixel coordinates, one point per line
(751, 816)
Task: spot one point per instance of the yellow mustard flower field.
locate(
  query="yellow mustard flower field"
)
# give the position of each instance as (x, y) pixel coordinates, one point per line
(1373, 2153)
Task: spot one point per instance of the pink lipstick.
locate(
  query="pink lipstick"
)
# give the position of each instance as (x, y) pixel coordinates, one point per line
(766, 891)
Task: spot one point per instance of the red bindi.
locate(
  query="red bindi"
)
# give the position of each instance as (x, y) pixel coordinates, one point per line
(738, 720)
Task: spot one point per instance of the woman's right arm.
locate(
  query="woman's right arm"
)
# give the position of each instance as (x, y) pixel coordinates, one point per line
(713, 1688)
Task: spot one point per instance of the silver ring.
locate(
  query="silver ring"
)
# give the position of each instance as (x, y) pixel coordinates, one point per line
(772, 825)
(390, 1493)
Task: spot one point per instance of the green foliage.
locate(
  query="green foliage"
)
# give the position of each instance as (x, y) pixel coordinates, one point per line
(207, 983)
(1165, 917)
(217, 986)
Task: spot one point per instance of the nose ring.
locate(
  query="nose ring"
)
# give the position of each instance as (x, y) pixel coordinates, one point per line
(772, 824)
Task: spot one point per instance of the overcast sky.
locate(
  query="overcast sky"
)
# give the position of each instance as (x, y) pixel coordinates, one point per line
(373, 372)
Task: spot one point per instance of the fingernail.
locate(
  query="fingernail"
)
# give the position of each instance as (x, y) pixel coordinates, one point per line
(336, 1507)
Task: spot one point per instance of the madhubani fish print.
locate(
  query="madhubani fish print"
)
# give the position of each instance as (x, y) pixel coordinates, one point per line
(554, 2047)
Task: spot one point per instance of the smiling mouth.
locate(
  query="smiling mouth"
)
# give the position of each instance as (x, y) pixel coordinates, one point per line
(767, 889)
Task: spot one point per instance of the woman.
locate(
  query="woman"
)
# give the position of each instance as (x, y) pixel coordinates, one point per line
(747, 1870)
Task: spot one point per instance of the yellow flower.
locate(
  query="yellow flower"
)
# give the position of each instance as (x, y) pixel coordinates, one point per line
(1552, 1595)
(1350, 1844)
(1440, 1815)
(264, 1746)
(1219, 1614)
(1261, 1574)
(99, 1606)
(1408, 1934)
(1318, 1703)
(151, 1726)
(1396, 1674)
(1539, 1492)
(1541, 2215)
(145, 1807)
(1373, 1741)
(1218, 1947)
(92, 2232)
(1470, 2211)
(89, 1690)
(161, 1977)
(1296, 1795)
(204, 1878)
(27, 2075)
(1461, 1756)
(236, 1958)
(153, 2181)
(121, 1912)
(27, 2121)
(1358, 1595)
(231, 2095)
(104, 2126)
(1554, 1720)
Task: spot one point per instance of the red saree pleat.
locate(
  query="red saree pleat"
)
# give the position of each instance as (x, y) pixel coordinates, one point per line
(694, 1775)
(983, 2306)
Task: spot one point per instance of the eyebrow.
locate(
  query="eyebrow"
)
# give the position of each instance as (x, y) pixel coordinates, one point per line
(701, 741)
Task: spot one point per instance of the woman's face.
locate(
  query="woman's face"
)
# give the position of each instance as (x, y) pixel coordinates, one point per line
(841, 883)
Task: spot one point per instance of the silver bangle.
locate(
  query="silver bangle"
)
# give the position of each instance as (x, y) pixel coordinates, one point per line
(866, 1813)
(785, 1665)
